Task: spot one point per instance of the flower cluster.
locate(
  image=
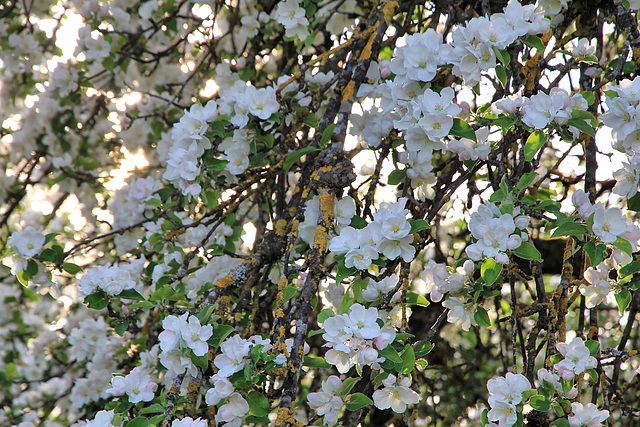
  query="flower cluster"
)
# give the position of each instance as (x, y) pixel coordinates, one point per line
(115, 279)
(182, 333)
(609, 224)
(188, 145)
(128, 204)
(292, 17)
(389, 234)
(354, 338)
(495, 232)
(506, 394)
(473, 44)
(623, 115)
(440, 279)
(541, 109)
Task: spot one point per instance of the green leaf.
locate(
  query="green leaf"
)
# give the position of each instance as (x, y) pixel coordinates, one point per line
(153, 409)
(561, 422)
(593, 346)
(418, 224)
(570, 228)
(259, 421)
(527, 251)
(422, 348)
(109, 64)
(358, 401)
(325, 314)
(633, 204)
(296, 155)
(408, 360)
(490, 271)
(289, 292)
(583, 126)
(535, 141)
(138, 422)
(462, 129)
(526, 180)
(416, 299)
(482, 317)
(220, 332)
(596, 252)
(590, 97)
(348, 384)
(396, 177)
(326, 134)
(97, 300)
(540, 403)
(311, 120)
(358, 223)
(390, 354)
(215, 165)
(584, 115)
(205, 314)
(623, 298)
(315, 362)
(534, 42)
(629, 269)
(502, 75)
(258, 404)
(484, 418)
(131, 294)
(201, 361)
(121, 328)
(623, 245)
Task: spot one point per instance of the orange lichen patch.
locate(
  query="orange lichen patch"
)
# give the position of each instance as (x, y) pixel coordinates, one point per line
(225, 301)
(224, 282)
(388, 11)
(211, 415)
(366, 52)
(285, 416)
(636, 55)
(327, 201)
(531, 69)
(348, 91)
(171, 234)
(192, 394)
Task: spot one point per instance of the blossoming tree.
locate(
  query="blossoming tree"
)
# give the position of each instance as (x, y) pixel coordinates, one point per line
(319, 212)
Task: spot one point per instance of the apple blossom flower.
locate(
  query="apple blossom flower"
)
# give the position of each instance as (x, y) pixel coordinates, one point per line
(195, 336)
(459, 313)
(587, 415)
(27, 242)
(599, 286)
(608, 224)
(232, 411)
(328, 403)
(222, 388)
(395, 395)
(508, 388)
(577, 359)
(138, 385)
